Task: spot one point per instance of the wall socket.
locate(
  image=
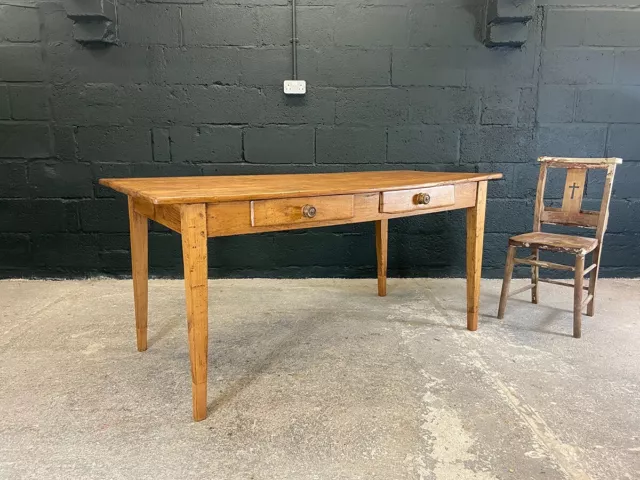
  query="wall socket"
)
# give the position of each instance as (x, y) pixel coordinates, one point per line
(295, 87)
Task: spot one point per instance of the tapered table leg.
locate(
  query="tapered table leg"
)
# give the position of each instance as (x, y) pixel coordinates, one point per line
(138, 231)
(475, 240)
(382, 246)
(194, 252)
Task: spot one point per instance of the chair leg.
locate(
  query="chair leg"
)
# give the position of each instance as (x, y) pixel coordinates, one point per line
(593, 280)
(535, 274)
(577, 297)
(508, 272)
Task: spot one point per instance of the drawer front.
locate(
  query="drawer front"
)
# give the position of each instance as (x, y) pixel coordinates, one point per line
(288, 211)
(399, 201)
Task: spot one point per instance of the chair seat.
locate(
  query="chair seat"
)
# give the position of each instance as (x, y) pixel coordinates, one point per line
(555, 242)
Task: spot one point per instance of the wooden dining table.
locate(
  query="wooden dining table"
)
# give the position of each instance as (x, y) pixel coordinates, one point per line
(203, 207)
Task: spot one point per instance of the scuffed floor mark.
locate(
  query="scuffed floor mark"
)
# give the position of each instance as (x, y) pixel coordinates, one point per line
(441, 422)
(567, 456)
(93, 348)
(448, 442)
(447, 451)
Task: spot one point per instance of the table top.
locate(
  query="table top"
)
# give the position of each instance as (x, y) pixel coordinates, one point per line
(172, 190)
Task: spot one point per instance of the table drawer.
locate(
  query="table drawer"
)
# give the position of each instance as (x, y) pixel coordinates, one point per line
(288, 211)
(398, 201)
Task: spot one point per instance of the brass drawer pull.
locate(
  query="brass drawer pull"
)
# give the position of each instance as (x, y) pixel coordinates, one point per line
(309, 211)
(423, 199)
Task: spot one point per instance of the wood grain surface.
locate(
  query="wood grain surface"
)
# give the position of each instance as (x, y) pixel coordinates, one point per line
(397, 201)
(475, 242)
(287, 211)
(233, 218)
(139, 236)
(194, 254)
(555, 241)
(166, 190)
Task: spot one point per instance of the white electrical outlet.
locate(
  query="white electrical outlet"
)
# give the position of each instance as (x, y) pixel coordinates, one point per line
(295, 87)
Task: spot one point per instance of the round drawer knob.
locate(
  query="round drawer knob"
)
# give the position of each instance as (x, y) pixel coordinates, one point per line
(309, 211)
(423, 199)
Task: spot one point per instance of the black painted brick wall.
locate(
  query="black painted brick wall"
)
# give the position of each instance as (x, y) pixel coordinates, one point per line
(195, 88)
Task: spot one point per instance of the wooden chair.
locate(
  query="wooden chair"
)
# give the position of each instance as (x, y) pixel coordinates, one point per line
(570, 214)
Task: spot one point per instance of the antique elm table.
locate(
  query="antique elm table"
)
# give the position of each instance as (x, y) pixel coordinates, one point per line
(202, 207)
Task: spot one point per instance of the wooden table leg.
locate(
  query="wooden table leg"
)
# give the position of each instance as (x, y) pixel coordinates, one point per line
(138, 231)
(382, 246)
(475, 239)
(193, 221)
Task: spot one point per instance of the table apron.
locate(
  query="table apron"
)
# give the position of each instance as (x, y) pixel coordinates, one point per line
(167, 215)
(234, 218)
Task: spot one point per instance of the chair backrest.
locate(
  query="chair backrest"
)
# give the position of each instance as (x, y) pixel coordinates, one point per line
(571, 212)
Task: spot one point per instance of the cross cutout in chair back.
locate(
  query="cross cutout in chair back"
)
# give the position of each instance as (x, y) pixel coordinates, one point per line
(571, 212)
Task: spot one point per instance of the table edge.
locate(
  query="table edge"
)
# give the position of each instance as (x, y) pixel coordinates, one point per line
(167, 200)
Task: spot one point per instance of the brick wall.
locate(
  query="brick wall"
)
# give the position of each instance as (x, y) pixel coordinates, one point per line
(195, 88)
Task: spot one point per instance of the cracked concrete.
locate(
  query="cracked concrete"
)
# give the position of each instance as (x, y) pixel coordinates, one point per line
(319, 379)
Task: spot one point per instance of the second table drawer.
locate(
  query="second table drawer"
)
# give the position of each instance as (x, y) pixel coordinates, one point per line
(399, 201)
(287, 211)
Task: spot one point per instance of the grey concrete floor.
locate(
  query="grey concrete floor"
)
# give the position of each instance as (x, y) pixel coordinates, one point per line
(319, 379)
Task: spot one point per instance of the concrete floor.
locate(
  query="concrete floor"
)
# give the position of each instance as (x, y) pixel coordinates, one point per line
(319, 379)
